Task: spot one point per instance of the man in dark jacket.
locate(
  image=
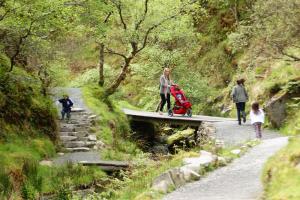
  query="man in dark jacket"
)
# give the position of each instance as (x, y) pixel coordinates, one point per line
(66, 107)
(240, 97)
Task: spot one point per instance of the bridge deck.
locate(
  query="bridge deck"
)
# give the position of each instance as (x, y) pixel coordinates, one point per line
(176, 119)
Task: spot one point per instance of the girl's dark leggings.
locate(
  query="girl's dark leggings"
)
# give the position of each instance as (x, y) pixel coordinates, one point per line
(165, 99)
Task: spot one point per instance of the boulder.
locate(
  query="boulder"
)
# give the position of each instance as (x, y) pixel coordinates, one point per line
(221, 161)
(236, 151)
(205, 159)
(193, 167)
(167, 130)
(163, 183)
(92, 138)
(276, 109)
(181, 135)
(162, 186)
(99, 145)
(177, 176)
(188, 174)
(160, 149)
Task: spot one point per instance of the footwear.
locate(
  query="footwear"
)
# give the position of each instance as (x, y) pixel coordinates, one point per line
(244, 117)
(240, 123)
(161, 113)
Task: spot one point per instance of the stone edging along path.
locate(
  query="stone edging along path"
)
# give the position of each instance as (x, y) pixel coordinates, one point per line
(239, 180)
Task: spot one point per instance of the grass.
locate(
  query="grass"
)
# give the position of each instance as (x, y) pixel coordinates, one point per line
(12, 153)
(138, 184)
(113, 128)
(19, 152)
(281, 175)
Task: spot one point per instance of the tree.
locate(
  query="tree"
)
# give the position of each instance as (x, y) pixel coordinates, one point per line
(27, 25)
(125, 32)
(277, 23)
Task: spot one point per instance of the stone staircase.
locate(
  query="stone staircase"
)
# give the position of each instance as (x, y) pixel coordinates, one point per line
(76, 135)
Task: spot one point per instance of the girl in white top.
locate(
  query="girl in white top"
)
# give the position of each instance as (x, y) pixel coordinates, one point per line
(257, 117)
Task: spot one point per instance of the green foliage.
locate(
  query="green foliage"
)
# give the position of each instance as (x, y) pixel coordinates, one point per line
(28, 192)
(6, 185)
(114, 127)
(281, 176)
(23, 106)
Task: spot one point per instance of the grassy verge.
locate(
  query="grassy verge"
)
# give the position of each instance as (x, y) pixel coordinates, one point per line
(28, 134)
(281, 174)
(136, 184)
(113, 127)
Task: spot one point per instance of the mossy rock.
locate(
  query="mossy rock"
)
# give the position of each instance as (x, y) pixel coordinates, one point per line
(167, 130)
(180, 135)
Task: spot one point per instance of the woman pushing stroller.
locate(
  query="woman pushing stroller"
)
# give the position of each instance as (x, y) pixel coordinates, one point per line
(182, 105)
(164, 90)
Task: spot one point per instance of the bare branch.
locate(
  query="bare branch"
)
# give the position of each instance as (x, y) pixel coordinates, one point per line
(291, 56)
(3, 16)
(152, 28)
(119, 7)
(110, 51)
(137, 25)
(297, 46)
(145, 40)
(76, 3)
(107, 17)
(19, 45)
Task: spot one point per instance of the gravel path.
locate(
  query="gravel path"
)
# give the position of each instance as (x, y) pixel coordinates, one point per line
(240, 180)
(233, 134)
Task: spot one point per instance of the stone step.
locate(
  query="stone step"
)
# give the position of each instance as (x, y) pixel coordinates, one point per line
(75, 128)
(68, 138)
(67, 129)
(89, 138)
(80, 125)
(74, 144)
(73, 121)
(78, 149)
(65, 133)
(81, 129)
(80, 134)
(73, 110)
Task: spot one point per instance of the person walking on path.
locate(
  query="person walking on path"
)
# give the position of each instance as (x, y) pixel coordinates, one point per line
(240, 97)
(66, 107)
(257, 117)
(164, 89)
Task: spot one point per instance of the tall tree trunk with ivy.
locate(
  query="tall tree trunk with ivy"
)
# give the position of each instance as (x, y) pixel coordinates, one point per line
(101, 64)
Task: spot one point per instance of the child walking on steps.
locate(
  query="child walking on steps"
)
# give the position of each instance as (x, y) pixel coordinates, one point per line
(257, 117)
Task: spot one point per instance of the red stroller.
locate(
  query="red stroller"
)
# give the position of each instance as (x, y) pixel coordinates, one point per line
(181, 105)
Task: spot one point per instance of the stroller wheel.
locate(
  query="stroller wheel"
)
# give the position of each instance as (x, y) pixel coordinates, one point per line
(189, 112)
(170, 113)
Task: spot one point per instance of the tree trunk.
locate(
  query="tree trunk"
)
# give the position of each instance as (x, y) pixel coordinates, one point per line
(101, 65)
(113, 87)
(236, 12)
